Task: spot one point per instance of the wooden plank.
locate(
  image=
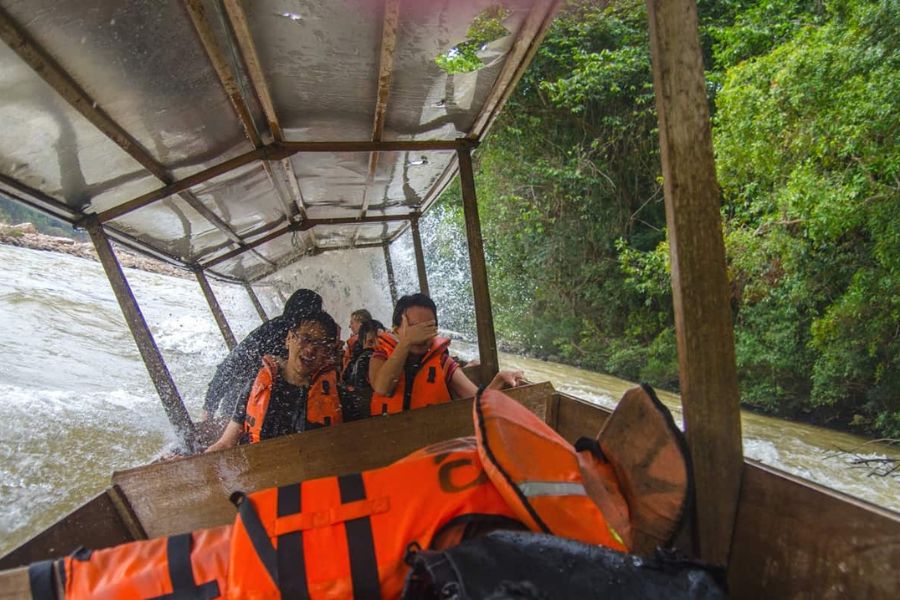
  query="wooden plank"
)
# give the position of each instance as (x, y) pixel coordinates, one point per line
(143, 338)
(95, 524)
(703, 324)
(180, 496)
(484, 319)
(216, 310)
(796, 539)
(14, 585)
(126, 513)
(577, 418)
(420, 257)
(474, 374)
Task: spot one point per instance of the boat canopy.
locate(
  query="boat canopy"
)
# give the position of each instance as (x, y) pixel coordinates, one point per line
(236, 137)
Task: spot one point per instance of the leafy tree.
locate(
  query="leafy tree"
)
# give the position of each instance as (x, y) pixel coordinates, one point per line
(804, 97)
(806, 142)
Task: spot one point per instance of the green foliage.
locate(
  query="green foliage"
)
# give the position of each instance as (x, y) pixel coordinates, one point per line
(805, 104)
(806, 143)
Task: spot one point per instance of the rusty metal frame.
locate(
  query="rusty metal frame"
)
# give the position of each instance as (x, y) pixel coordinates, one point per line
(220, 63)
(306, 225)
(389, 267)
(216, 309)
(254, 299)
(484, 319)
(315, 252)
(385, 74)
(420, 256)
(143, 338)
(46, 67)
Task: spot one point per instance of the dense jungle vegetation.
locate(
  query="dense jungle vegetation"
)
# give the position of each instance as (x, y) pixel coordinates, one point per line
(804, 96)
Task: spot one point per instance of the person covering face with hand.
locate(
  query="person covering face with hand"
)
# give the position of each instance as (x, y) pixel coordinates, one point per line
(412, 368)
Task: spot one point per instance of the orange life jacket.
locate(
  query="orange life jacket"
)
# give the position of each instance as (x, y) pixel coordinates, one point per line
(323, 402)
(551, 487)
(348, 351)
(190, 565)
(347, 536)
(429, 385)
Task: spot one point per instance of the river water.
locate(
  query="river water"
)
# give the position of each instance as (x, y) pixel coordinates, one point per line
(78, 404)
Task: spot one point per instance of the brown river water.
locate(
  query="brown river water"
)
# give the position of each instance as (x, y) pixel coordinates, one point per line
(78, 403)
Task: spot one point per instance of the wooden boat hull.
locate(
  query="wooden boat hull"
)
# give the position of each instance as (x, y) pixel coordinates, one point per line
(793, 539)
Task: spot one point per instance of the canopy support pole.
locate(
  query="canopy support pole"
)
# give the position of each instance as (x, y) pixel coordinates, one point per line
(484, 320)
(216, 309)
(389, 266)
(420, 256)
(153, 359)
(700, 293)
(256, 304)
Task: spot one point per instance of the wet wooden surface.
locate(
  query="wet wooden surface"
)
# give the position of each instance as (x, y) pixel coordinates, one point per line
(575, 418)
(700, 289)
(795, 539)
(193, 493)
(14, 584)
(96, 524)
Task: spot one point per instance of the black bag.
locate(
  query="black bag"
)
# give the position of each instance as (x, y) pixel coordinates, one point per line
(523, 565)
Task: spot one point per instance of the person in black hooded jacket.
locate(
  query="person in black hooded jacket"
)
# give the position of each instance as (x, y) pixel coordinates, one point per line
(242, 363)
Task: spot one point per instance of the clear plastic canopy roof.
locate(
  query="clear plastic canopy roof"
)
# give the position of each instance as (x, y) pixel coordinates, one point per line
(237, 136)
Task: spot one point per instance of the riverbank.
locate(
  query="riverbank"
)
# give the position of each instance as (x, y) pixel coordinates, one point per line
(25, 235)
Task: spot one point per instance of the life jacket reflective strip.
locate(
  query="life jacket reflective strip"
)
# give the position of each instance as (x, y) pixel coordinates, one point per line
(539, 475)
(180, 567)
(347, 536)
(348, 352)
(323, 403)
(429, 385)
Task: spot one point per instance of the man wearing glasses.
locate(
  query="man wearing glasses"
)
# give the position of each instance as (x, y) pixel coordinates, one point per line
(291, 394)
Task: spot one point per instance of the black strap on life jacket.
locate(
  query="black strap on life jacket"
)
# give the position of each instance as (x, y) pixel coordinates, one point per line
(257, 534)
(40, 580)
(181, 572)
(360, 541)
(289, 552)
(409, 372)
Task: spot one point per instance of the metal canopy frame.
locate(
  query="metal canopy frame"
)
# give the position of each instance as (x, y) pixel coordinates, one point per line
(273, 155)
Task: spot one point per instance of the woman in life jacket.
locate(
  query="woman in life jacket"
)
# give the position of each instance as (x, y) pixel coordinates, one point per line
(292, 394)
(355, 377)
(358, 318)
(411, 367)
